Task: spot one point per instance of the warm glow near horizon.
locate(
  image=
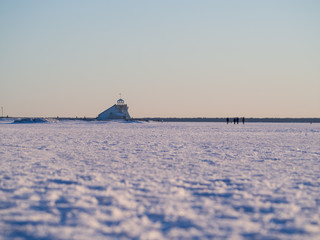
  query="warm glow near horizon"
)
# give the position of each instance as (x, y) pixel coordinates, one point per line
(167, 58)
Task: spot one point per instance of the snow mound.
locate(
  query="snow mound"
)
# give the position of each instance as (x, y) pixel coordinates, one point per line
(34, 120)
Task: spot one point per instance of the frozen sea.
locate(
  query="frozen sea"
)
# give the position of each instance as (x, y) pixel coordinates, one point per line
(116, 180)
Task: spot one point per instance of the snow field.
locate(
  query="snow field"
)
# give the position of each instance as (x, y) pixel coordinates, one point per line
(82, 180)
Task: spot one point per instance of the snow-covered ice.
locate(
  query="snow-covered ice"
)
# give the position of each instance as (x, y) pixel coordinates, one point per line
(114, 180)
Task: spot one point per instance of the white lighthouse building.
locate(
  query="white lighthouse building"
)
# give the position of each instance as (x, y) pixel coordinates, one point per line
(117, 111)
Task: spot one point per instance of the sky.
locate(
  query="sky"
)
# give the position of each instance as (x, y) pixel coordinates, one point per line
(167, 58)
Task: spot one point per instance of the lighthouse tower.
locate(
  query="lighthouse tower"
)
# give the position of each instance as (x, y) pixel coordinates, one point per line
(117, 111)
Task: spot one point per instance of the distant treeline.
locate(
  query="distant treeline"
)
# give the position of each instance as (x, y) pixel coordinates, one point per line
(159, 119)
(271, 120)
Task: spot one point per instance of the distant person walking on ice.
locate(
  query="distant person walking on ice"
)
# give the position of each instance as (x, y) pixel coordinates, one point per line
(243, 120)
(228, 120)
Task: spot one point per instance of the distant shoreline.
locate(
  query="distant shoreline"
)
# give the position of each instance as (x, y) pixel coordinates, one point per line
(266, 120)
(160, 119)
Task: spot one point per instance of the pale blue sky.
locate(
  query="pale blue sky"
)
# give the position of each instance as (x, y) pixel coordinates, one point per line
(167, 58)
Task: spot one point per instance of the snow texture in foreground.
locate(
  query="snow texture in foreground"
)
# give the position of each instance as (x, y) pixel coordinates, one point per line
(90, 180)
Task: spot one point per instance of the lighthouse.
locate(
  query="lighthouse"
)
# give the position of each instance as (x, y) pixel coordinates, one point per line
(117, 111)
